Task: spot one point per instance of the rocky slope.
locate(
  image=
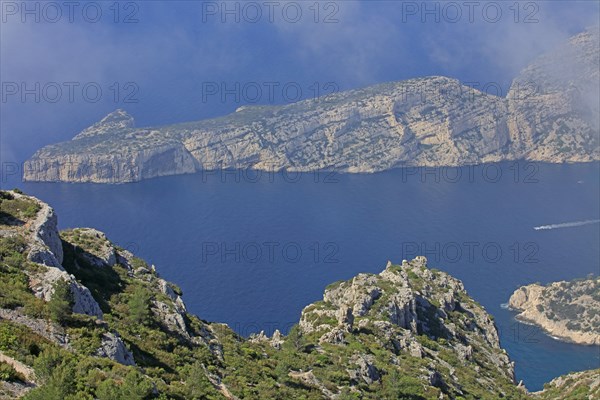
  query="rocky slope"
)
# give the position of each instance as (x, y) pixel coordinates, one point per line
(550, 114)
(575, 386)
(81, 318)
(566, 310)
(415, 318)
(114, 307)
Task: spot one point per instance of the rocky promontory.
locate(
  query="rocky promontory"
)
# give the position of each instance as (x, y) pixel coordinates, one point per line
(550, 114)
(565, 310)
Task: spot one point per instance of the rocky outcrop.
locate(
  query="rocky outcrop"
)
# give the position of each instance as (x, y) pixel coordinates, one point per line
(45, 246)
(43, 283)
(550, 114)
(426, 121)
(566, 310)
(107, 165)
(118, 120)
(167, 289)
(83, 301)
(173, 318)
(46, 329)
(172, 314)
(275, 341)
(309, 379)
(149, 154)
(366, 370)
(113, 347)
(18, 366)
(14, 390)
(399, 307)
(99, 251)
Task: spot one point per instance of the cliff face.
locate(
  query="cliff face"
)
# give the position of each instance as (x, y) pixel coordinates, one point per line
(566, 310)
(429, 121)
(550, 114)
(119, 165)
(45, 248)
(555, 103)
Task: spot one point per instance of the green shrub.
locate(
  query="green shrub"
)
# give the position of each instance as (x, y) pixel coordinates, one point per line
(8, 338)
(139, 306)
(60, 306)
(197, 385)
(59, 381)
(134, 387)
(12, 250)
(399, 386)
(20, 342)
(8, 373)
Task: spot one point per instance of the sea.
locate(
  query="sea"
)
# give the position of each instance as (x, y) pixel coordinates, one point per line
(252, 248)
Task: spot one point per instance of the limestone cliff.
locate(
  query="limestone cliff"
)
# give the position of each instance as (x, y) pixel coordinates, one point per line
(554, 104)
(550, 114)
(566, 310)
(45, 248)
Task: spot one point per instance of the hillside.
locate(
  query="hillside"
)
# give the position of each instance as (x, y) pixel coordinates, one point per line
(575, 386)
(83, 319)
(551, 114)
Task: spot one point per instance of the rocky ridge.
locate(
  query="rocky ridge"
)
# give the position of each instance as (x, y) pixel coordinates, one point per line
(550, 114)
(410, 309)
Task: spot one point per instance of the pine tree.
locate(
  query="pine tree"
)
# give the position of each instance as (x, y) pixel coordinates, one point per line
(60, 306)
(139, 306)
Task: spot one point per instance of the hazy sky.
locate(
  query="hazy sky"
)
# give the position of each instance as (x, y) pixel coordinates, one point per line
(169, 61)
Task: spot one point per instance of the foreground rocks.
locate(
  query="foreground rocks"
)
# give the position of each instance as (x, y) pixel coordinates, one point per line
(45, 248)
(568, 311)
(550, 114)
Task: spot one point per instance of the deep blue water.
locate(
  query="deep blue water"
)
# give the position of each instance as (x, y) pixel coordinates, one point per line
(253, 251)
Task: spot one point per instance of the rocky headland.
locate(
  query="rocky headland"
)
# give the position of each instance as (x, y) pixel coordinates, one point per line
(568, 311)
(550, 114)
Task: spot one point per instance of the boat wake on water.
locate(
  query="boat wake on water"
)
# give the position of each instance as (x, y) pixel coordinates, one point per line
(567, 224)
